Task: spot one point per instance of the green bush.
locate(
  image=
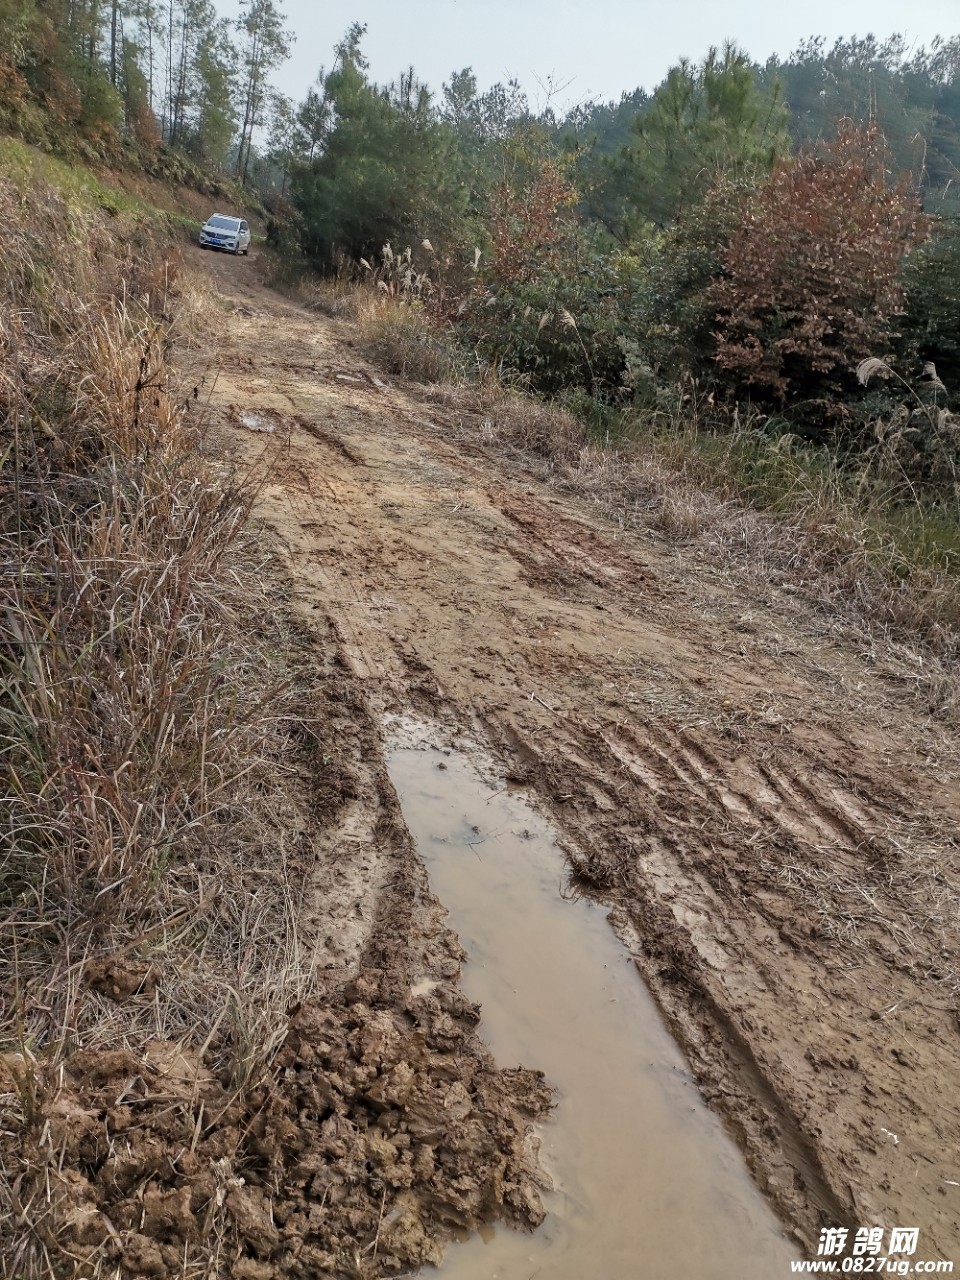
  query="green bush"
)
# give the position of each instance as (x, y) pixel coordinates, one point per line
(930, 326)
(557, 325)
(668, 320)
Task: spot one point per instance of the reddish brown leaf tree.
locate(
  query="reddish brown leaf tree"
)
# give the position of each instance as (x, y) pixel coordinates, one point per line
(812, 276)
(526, 222)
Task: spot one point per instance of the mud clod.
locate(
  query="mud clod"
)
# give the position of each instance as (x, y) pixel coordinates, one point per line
(119, 978)
(366, 1131)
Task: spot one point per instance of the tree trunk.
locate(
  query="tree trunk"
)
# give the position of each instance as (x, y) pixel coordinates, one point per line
(246, 131)
(114, 15)
(149, 25)
(253, 107)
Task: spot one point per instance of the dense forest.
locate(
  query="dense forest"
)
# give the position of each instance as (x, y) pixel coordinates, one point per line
(760, 231)
(756, 233)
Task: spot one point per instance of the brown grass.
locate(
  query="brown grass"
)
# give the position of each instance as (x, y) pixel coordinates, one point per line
(866, 556)
(402, 338)
(547, 431)
(821, 547)
(338, 297)
(148, 840)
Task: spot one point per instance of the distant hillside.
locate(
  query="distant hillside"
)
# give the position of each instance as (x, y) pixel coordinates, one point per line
(173, 90)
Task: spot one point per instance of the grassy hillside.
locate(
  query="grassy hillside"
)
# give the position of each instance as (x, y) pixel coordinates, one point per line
(140, 717)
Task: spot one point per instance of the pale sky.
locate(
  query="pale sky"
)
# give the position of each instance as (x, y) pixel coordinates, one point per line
(590, 48)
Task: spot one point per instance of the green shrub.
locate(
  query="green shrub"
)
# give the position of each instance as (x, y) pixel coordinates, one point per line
(556, 323)
(930, 326)
(668, 319)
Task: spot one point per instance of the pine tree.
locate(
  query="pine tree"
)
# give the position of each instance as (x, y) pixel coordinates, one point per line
(703, 123)
(386, 165)
(266, 43)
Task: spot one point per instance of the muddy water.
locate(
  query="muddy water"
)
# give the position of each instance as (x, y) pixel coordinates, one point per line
(647, 1182)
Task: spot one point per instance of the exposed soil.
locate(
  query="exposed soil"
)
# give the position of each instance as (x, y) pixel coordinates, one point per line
(760, 796)
(381, 1127)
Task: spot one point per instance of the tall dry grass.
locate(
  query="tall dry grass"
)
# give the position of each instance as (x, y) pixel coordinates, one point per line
(400, 335)
(148, 838)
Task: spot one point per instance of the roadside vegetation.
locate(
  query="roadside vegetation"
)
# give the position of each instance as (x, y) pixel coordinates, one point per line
(147, 834)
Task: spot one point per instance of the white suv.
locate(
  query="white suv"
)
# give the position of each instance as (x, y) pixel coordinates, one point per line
(223, 232)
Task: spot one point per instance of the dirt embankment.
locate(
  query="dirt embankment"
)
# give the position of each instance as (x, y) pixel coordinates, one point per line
(760, 796)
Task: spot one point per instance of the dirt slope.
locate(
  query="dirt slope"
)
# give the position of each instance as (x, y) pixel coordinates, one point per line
(764, 802)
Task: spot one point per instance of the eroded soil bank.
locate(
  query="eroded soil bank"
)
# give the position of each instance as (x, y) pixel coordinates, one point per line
(760, 796)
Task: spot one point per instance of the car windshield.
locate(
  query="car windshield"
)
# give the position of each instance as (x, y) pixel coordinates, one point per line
(223, 224)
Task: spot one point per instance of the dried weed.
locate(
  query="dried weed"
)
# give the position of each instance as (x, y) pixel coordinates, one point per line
(399, 335)
(149, 839)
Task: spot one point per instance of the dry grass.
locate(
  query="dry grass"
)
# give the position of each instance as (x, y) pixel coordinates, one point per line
(547, 431)
(400, 336)
(859, 554)
(908, 898)
(821, 546)
(338, 297)
(514, 422)
(148, 839)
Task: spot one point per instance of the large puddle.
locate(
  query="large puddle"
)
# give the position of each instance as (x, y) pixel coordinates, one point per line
(648, 1183)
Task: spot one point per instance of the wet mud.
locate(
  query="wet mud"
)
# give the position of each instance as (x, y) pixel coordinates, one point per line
(645, 1179)
(381, 1127)
(376, 1139)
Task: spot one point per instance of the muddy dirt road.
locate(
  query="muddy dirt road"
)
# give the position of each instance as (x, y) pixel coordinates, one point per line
(762, 801)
